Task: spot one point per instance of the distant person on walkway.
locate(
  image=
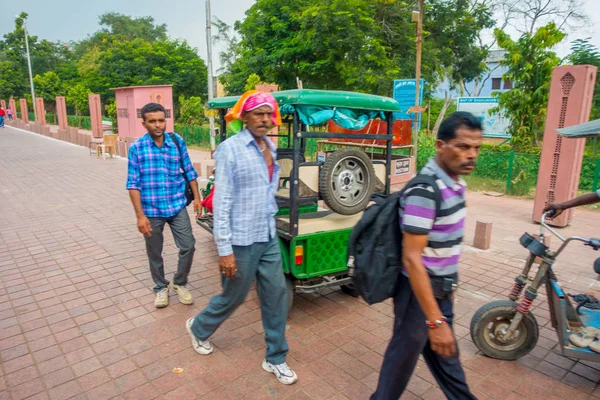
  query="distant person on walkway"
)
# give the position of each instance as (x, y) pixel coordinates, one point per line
(9, 113)
(244, 207)
(157, 190)
(2, 114)
(583, 200)
(432, 243)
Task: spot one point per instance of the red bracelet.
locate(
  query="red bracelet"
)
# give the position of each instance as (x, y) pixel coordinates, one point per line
(436, 323)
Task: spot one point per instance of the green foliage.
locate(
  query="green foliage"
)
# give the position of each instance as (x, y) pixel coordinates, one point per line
(360, 45)
(191, 111)
(78, 97)
(194, 135)
(133, 28)
(252, 81)
(126, 51)
(530, 62)
(111, 111)
(48, 86)
(585, 53)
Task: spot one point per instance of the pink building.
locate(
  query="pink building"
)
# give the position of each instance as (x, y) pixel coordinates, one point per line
(130, 101)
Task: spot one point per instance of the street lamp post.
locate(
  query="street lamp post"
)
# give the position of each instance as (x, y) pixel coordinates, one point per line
(211, 119)
(29, 65)
(419, 41)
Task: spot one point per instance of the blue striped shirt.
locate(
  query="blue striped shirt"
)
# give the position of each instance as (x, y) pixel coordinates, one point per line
(156, 173)
(244, 205)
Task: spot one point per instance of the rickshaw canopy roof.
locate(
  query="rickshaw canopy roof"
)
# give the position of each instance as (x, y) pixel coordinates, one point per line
(322, 98)
(587, 129)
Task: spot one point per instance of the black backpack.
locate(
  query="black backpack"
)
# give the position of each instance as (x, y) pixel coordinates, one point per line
(375, 245)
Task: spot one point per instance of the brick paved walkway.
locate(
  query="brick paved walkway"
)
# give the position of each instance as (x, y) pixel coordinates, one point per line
(77, 319)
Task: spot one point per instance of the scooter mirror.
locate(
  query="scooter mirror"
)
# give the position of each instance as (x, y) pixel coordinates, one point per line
(597, 266)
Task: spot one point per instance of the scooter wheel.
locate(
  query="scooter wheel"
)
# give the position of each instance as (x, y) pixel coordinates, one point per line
(491, 320)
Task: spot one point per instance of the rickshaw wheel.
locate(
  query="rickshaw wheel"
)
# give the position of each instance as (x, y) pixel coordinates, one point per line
(488, 323)
(347, 181)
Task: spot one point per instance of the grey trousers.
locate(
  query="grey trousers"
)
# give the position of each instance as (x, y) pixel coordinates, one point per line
(184, 240)
(260, 261)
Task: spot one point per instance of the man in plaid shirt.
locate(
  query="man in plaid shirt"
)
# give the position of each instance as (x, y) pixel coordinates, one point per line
(157, 190)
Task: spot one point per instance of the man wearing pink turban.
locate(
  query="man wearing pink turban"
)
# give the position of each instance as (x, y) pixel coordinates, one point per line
(244, 208)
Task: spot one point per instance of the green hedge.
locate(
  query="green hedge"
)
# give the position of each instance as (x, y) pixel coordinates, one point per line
(493, 163)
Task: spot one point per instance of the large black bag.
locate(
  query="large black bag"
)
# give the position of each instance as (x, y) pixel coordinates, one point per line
(375, 244)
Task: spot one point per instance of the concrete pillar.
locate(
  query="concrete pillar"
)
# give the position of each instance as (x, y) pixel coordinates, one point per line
(61, 112)
(41, 111)
(483, 235)
(24, 111)
(3, 104)
(13, 106)
(570, 103)
(96, 115)
(73, 135)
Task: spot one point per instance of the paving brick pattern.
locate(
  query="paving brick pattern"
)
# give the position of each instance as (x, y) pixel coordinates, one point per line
(77, 319)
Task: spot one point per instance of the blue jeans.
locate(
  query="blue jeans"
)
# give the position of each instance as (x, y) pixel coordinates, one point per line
(2, 121)
(263, 262)
(410, 338)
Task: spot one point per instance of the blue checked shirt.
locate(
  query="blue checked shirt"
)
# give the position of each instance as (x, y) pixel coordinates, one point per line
(244, 205)
(156, 173)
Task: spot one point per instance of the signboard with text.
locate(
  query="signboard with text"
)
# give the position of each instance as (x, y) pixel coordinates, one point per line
(494, 124)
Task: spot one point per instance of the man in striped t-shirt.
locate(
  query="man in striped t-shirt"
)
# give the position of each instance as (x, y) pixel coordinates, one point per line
(432, 223)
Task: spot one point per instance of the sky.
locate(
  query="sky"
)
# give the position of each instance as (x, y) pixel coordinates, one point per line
(67, 20)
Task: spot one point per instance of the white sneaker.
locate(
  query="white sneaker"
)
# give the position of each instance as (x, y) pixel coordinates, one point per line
(282, 372)
(162, 298)
(185, 297)
(203, 347)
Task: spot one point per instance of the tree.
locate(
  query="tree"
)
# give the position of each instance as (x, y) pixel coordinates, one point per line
(527, 15)
(48, 86)
(191, 111)
(529, 61)
(360, 45)
(133, 28)
(226, 36)
(583, 52)
(78, 97)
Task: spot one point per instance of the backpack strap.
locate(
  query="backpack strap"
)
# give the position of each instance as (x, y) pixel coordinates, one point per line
(174, 139)
(428, 180)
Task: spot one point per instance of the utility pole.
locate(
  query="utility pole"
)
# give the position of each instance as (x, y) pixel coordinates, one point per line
(211, 119)
(419, 41)
(29, 65)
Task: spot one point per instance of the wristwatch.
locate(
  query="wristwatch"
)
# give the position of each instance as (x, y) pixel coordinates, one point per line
(437, 323)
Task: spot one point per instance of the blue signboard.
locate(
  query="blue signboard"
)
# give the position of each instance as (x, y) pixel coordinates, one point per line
(404, 94)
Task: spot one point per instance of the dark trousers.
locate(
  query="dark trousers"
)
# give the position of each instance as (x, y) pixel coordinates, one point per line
(184, 240)
(410, 338)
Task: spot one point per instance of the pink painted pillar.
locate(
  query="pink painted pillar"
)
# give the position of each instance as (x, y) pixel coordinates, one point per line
(24, 111)
(95, 115)
(41, 111)
(570, 103)
(3, 104)
(61, 112)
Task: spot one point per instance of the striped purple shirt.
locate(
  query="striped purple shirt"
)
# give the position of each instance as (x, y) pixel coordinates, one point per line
(445, 230)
